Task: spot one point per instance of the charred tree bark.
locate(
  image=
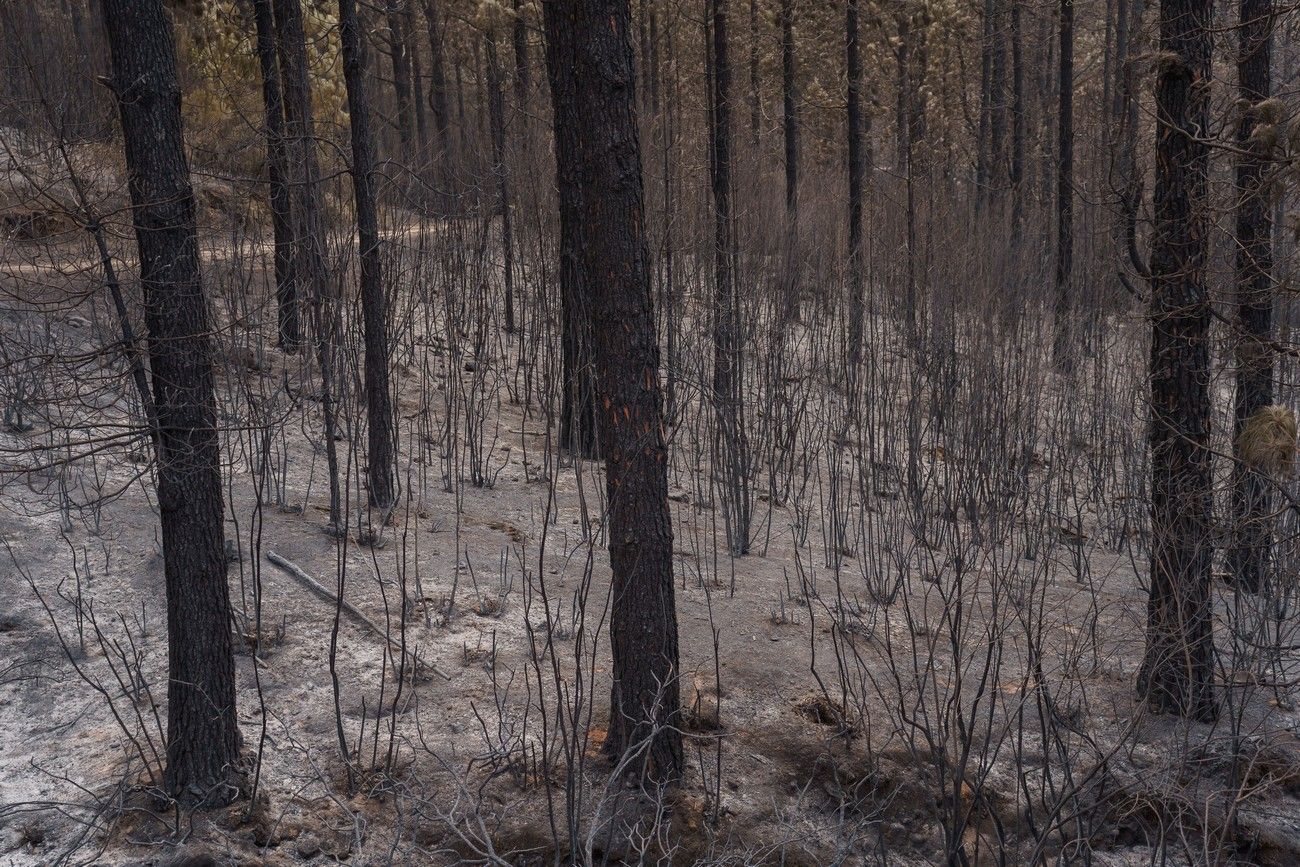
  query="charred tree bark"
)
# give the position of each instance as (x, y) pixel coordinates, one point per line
(438, 93)
(401, 68)
(497, 122)
(755, 94)
(1064, 186)
(286, 290)
(997, 106)
(591, 38)
(418, 102)
(1017, 166)
(902, 106)
(519, 41)
(380, 470)
(578, 401)
(983, 154)
(732, 458)
(202, 726)
(790, 127)
(857, 279)
(1128, 180)
(1251, 497)
(1178, 667)
(309, 232)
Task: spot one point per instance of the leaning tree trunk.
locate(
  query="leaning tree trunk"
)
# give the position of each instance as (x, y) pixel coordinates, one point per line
(380, 473)
(202, 726)
(1177, 670)
(591, 39)
(286, 289)
(1251, 500)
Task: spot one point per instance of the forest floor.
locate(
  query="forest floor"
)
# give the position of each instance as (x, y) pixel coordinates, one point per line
(824, 727)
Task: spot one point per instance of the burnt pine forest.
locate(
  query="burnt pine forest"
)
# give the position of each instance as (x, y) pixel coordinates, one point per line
(649, 432)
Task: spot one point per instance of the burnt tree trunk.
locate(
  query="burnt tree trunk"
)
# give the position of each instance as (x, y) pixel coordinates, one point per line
(380, 471)
(732, 454)
(578, 401)
(790, 127)
(591, 38)
(982, 141)
(857, 279)
(1064, 185)
(1251, 500)
(755, 94)
(497, 122)
(1016, 169)
(309, 231)
(202, 726)
(902, 106)
(418, 101)
(289, 328)
(401, 69)
(1178, 667)
(519, 42)
(438, 97)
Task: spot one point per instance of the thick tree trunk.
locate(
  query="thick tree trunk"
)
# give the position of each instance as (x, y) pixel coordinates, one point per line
(1251, 496)
(1177, 670)
(289, 325)
(380, 471)
(591, 39)
(202, 726)
(578, 401)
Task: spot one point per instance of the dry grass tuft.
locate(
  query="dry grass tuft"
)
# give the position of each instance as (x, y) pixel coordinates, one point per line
(1267, 441)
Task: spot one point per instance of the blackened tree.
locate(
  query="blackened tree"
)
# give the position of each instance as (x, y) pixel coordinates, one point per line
(1251, 500)
(591, 40)
(202, 727)
(286, 289)
(374, 301)
(1178, 667)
